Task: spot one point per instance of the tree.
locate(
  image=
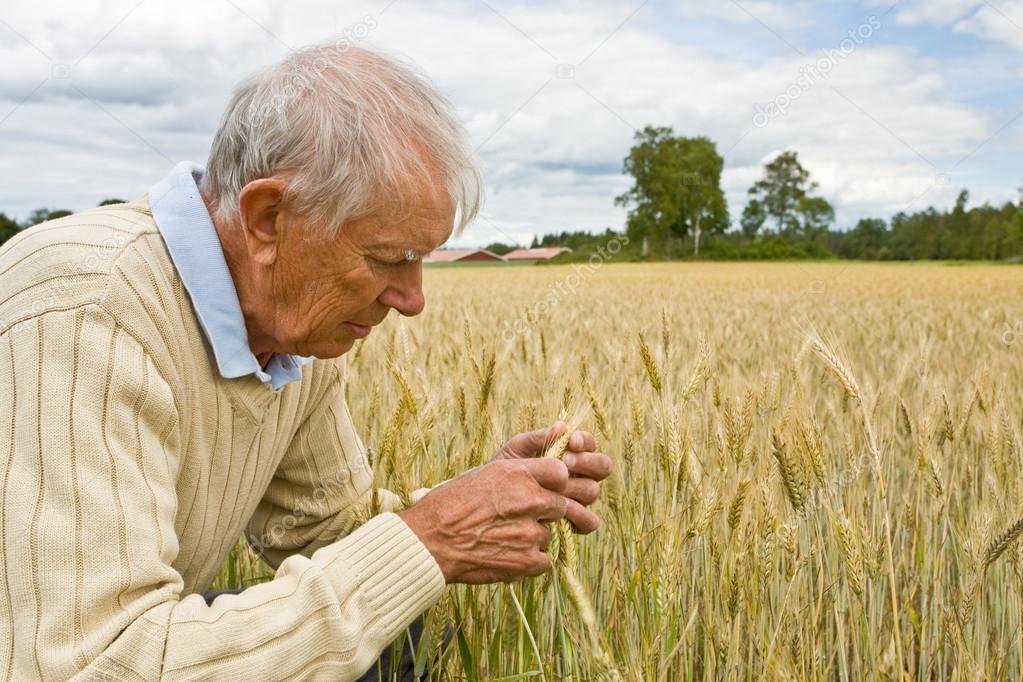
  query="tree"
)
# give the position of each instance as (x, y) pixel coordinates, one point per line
(957, 241)
(753, 217)
(676, 187)
(784, 195)
(784, 185)
(41, 215)
(108, 202)
(961, 200)
(814, 216)
(867, 239)
(499, 248)
(650, 163)
(8, 228)
(703, 202)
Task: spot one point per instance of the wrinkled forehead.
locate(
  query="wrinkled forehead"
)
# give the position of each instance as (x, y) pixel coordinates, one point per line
(429, 206)
(421, 223)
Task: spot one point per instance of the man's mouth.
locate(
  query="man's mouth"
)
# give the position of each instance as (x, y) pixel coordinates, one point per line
(359, 331)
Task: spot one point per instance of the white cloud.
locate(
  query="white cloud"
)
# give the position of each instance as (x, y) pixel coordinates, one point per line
(551, 139)
(783, 15)
(916, 12)
(1000, 22)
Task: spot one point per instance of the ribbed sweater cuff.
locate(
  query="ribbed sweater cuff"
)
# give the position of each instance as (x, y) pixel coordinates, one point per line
(393, 569)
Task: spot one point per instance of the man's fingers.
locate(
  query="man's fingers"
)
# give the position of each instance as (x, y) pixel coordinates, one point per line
(582, 441)
(543, 537)
(551, 507)
(533, 443)
(539, 563)
(585, 491)
(595, 465)
(549, 472)
(582, 518)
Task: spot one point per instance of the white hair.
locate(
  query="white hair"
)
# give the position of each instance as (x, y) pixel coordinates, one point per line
(350, 130)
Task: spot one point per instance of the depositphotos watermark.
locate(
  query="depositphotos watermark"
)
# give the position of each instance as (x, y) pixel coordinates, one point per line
(1011, 334)
(815, 72)
(319, 499)
(59, 291)
(558, 292)
(302, 82)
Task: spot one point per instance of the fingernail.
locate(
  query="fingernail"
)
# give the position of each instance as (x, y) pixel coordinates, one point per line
(577, 441)
(569, 460)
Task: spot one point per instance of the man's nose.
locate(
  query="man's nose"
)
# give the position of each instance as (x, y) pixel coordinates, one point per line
(405, 294)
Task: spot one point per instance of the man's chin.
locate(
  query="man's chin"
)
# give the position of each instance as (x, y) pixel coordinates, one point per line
(335, 349)
(330, 347)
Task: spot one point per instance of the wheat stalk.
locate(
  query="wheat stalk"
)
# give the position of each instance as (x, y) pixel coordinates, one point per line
(567, 559)
(852, 390)
(849, 547)
(791, 472)
(831, 361)
(652, 370)
(1002, 543)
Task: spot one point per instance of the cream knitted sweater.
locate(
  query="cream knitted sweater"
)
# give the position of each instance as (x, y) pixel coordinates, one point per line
(129, 468)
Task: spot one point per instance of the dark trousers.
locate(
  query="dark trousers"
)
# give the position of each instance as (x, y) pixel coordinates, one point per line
(383, 668)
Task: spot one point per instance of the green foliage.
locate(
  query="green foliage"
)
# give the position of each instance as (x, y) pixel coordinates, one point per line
(577, 241)
(979, 233)
(784, 184)
(499, 248)
(771, 248)
(8, 228)
(753, 217)
(108, 202)
(983, 232)
(867, 239)
(783, 195)
(814, 215)
(676, 198)
(677, 187)
(41, 215)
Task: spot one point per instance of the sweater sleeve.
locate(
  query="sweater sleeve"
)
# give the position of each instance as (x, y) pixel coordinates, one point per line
(323, 486)
(90, 455)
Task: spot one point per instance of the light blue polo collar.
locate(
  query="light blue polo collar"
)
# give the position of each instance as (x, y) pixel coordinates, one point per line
(196, 252)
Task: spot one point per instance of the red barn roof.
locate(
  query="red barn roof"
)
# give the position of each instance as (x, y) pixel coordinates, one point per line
(454, 255)
(537, 254)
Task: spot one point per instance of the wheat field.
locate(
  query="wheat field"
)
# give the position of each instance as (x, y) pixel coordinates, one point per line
(818, 466)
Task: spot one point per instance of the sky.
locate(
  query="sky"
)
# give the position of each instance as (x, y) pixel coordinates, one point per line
(891, 106)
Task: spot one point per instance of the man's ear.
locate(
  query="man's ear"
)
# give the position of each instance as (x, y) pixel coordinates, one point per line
(259, 207)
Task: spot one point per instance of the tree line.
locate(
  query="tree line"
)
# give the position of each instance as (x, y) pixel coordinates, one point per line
(676, 202)
(10, 227)
(677, 209)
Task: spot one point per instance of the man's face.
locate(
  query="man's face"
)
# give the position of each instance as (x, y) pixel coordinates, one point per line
(330, 291)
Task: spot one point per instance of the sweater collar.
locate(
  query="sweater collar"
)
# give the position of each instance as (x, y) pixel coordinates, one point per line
(195, 249)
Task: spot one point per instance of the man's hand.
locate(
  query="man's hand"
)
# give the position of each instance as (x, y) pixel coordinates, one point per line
(487, 525)
(586, 467)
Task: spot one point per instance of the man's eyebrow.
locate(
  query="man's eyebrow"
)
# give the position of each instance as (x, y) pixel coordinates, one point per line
(401, 251)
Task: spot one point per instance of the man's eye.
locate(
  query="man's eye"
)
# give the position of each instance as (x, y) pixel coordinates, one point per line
(398, 258)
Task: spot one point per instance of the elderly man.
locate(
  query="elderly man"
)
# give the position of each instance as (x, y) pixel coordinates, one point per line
(172, 378)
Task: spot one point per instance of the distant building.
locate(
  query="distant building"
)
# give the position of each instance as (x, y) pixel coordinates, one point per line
(461, 255)
(536, 254)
